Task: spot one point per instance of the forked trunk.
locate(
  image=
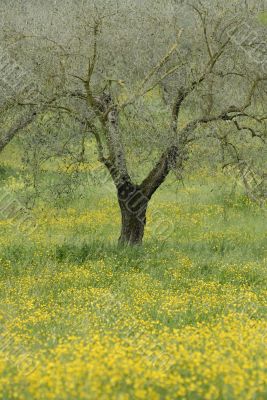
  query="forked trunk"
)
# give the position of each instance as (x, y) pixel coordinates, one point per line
(133, 206)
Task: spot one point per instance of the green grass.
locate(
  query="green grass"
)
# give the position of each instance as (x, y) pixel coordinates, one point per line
(205, 275)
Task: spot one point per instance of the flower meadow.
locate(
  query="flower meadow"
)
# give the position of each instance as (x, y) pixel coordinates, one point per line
(183, 317)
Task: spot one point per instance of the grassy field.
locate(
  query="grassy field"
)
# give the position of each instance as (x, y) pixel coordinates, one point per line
(183, 317)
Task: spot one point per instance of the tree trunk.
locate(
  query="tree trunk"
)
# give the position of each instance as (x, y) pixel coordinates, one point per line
(9, 135)
(133, 206)
(132, 228)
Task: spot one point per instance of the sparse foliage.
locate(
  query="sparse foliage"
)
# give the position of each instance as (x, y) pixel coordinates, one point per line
(101, 68)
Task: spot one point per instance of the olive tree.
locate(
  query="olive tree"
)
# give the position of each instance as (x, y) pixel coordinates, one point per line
(102, 66)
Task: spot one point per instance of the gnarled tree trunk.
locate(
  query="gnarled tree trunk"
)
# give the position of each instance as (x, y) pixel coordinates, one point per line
(133, 199)
(132, 227)
(133, 205)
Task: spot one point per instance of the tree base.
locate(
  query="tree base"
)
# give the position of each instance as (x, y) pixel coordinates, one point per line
(133, 217)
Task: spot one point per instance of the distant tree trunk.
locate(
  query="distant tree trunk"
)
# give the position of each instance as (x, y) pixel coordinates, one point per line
(11, 133)
(133, 205)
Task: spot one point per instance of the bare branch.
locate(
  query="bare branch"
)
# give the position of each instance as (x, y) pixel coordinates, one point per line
(204, 26)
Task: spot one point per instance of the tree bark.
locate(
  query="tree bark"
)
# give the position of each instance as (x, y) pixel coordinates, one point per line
(133, 205)
(132, 228)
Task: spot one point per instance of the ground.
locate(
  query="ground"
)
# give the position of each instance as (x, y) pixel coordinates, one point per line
(183, 317)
